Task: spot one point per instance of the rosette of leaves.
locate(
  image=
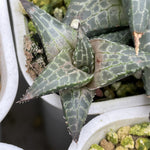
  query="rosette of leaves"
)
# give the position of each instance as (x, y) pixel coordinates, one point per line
(79, 65)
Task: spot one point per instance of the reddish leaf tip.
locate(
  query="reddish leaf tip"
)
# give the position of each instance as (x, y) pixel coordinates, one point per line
(75, 136)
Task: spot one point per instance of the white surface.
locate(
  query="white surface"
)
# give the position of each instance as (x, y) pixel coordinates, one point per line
(4, 146)
(9, 70)
(53, 99)
(97, 128)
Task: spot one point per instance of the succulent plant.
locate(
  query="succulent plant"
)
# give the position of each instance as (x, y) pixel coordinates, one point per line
(112, 137)
(143, 144)
(96, 147)
(78, 63)
(134, 137)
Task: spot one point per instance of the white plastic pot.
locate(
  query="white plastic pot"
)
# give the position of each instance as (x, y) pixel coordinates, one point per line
(0, 133)
(97, 128)
(20, 29)
(4, 146)
(8, 63)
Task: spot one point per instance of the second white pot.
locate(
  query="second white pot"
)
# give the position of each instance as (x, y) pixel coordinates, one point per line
(97, 128)
(5, 146)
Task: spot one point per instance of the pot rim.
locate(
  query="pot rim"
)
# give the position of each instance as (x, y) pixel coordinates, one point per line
(9, 146)
(103, 121)
(9, 68)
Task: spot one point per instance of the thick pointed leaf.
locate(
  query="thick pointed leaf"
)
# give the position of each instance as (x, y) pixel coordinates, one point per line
(55, 35)
(123, 36)
(76, 103)
(59, 74)
(114, 61)
(138, 15)
(146, 80)
(83, 54)
(96, 16)
(145, 46)
(145, 40)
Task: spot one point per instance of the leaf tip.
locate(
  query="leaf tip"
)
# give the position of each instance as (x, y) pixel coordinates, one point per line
(74, 134)
(75, 137)
(26, 98)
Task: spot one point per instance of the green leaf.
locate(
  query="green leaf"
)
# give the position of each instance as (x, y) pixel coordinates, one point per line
(83, 54)
(96, 16)
(146, 80)
(59, 74)
(145, 46)
(123, 36)
(55, 35)
(138, 16)
(145, 40)
(76, 103)
(114, 61)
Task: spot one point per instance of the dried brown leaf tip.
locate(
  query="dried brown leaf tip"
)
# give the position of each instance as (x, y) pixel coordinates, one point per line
(137, 37)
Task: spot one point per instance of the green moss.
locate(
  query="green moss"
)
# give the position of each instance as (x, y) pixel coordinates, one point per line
(140, 129)
(31, 27)
(115, 86)
(112, 137)
(126, 90)
(127, 142)
(67, 2)
(56, 3)
(58, 14)
(142, 144)
(47, 8)
(41, 3)
(95, 147)
(109, 93)
(63, 10)
(121, 148)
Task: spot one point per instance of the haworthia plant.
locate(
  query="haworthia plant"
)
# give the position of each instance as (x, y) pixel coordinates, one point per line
(55, 35)
(96, 16)
(114, 61)
(73, 56)
(76, 103)
(138, 17)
